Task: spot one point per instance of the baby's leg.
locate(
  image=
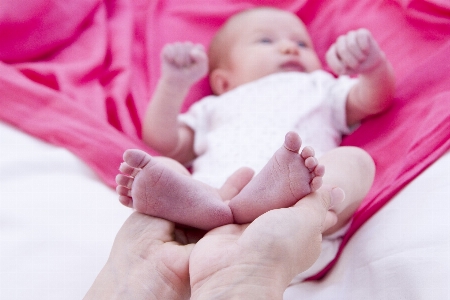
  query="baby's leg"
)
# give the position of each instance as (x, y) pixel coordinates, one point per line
(285, 179)
(152, 186)
(353, 170)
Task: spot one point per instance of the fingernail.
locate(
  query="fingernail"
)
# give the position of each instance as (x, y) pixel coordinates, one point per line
(337, 197)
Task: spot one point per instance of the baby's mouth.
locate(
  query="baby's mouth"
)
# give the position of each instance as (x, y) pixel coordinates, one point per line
(290, 66)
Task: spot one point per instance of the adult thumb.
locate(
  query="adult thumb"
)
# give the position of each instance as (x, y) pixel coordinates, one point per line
(322, 202)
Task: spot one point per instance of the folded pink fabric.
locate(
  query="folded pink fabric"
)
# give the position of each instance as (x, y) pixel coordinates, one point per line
(79, 74)
(76, 75)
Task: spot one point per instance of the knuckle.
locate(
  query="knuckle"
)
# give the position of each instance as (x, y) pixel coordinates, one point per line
(325, 200)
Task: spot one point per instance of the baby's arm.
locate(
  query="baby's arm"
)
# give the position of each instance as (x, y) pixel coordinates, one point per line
(358, 53)
(182, 65)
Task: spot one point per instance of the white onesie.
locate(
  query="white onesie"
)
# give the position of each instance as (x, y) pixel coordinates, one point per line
(245, 126)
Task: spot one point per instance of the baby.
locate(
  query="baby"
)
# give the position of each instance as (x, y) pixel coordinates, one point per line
(268, 81)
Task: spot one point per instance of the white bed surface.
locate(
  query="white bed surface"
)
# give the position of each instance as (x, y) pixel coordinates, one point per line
(58, 222)
(402, 252)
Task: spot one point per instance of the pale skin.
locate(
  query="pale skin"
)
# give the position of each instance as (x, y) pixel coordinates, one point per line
(256, 44)
(292, 174)
(152, 259)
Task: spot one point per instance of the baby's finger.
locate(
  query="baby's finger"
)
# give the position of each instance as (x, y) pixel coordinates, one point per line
(182, 57)
(363, 38)
(354, 47)
(198, 53)
(168, 53)
(346, 56)
(198, 48)
(334, 61)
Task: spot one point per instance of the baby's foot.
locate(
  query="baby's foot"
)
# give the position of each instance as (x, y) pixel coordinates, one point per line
(285, 179)
(154, 188)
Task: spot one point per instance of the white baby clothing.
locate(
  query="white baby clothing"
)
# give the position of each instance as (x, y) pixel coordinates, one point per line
(245, 126)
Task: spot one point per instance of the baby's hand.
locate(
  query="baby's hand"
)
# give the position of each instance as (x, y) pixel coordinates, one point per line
(184, 62)
(355, 52)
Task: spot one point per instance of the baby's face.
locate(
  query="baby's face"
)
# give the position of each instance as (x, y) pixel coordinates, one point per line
(270, 41)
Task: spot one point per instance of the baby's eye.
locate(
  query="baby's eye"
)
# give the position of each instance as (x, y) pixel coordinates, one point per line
(302, 44)
(265, 40)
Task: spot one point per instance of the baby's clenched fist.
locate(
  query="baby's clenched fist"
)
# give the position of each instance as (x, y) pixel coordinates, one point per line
(355, 52)
(184, 62)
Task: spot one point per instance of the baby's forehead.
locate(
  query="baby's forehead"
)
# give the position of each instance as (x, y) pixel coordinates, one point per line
(238, 26)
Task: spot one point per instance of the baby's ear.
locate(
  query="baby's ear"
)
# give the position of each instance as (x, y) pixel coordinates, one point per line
(219, 81)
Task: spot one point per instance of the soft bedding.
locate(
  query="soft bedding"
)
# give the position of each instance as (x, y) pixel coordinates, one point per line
(58, 222)
(79, 75)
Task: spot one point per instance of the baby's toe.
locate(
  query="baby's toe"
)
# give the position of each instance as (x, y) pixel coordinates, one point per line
(128, 170)
(136, 158)
(125, 181)
(319, 170)
(292, 141)
(311, 163)
(307, 152)
(123, 191)
(127, 201)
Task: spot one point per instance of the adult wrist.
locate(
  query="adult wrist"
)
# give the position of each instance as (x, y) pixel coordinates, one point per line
(239, 282)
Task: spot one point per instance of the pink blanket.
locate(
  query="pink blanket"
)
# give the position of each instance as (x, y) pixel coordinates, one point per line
(79, 74)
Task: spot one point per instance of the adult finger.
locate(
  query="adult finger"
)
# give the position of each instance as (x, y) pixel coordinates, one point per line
(323, 204)
(139, 226)
(236, 182)
(290, 238)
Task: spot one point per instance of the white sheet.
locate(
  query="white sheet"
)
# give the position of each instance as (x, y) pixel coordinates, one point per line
(402, 252)
(58, 222)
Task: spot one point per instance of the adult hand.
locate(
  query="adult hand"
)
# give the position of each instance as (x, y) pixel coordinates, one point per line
(259, 260)
(145, 263)
(150, 259)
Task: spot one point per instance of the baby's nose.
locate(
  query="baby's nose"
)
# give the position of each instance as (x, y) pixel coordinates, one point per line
(289, 47)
